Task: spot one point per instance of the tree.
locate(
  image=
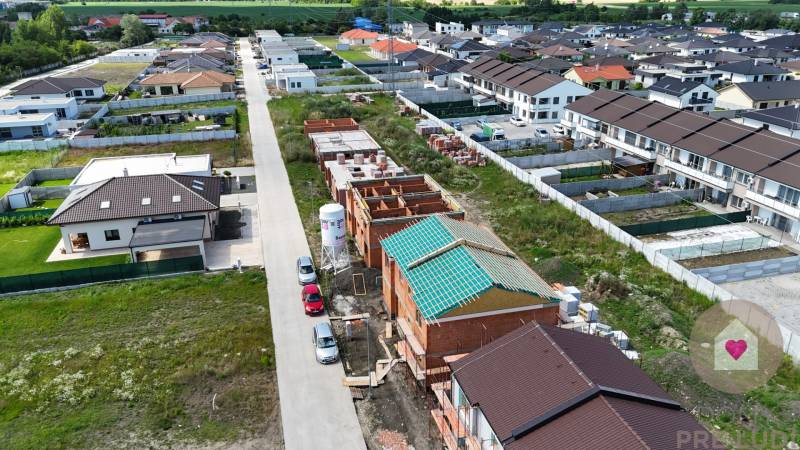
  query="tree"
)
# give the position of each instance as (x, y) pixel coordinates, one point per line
(591, 13)
(698, 16)
(679, 12)
(134, 32)
(186, 28)
(53, 22)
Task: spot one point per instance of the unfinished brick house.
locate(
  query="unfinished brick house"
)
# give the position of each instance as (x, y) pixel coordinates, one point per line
(453, 287)
(327, 146)
(380, 207)
(328, 125)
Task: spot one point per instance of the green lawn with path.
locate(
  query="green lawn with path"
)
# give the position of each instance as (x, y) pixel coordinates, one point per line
(24, 250)
(139, 364)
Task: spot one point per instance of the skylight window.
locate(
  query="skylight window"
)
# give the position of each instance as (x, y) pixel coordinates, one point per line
(176, 199)
(105, 204)
(146, 201)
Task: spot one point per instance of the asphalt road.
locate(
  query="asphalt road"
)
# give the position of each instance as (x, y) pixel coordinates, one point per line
(316, 410)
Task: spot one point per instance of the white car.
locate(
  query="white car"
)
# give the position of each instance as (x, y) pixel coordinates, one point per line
(517, 122)
(558, 129)
(541, 133)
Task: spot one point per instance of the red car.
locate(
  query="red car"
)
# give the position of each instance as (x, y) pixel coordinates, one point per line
(312, 299)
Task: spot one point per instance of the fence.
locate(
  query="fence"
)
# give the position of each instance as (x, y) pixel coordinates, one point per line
(465, 108)
(153, 139)
(49, 144)
(750, 270)
(173, 100)
(200, 111)
(97, 116)
(360, 87)
(719, 248)
(62, 278)
(548, 145)
(611, 184)
(560, 159)
(687, 223)
(424, 96)
(321, 61)
(633, 202)
(586, 171)
(31, 213)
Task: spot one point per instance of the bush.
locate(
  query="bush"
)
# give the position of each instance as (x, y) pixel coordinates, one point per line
(23, 221)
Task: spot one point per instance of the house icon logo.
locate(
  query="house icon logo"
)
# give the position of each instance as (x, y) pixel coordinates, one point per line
(736, 348)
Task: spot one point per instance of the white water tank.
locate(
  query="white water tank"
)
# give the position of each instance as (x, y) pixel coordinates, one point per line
(331, 220)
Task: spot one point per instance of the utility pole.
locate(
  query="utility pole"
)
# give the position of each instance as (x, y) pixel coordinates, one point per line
(389, 22)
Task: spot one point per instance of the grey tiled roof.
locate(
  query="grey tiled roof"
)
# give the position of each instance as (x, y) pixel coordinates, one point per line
(124, 196)
(53, 85)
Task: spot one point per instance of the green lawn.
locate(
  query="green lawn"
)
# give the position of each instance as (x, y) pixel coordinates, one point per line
(14, 165)
(139, 365)
(61, 182)
(184, 107)
(43, 204)
(5, 187)
(359, 53)
(24, 250)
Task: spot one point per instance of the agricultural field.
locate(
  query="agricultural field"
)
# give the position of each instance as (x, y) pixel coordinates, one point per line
(24, 250)
(178, 362)
(359, 53)
(116, 75)
(716, 5)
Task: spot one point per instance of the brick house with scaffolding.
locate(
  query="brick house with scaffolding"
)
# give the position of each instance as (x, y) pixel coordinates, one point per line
(453, 287)
(378, 208)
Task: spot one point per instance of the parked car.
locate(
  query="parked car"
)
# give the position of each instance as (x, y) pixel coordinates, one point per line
(325, 344)
(517, 122)
(482, 121)
(311, 297)
(478, 137)
(305, 270)
(558, 129)
(457, 125)
(541, 133)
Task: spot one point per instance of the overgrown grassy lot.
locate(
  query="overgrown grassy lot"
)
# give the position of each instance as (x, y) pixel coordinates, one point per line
(24, 250)
(184, 107)
(14, 165)
(143, 364)
(654, 310)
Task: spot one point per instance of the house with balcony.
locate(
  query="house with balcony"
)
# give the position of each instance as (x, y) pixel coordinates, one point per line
(751, 71)
(784, 120)
(738, 167)
(686, 95)
(543, 387)
(694, 47)
(760, 95)
(534, 96)
(453, 287)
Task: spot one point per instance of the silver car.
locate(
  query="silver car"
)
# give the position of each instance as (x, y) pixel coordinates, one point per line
(325, 344)
(305, 270)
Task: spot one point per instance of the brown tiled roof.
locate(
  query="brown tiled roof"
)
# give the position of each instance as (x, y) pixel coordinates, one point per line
(540, 386)
(125, 194)
(189, 79)
(516, 77)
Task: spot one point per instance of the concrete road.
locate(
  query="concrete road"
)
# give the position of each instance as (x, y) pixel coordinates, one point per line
(316, 410)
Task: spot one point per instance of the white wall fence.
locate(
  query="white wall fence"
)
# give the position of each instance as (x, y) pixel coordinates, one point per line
(362, 87)
(199, 111)
(643, 201)
(172, 100)
(751, 270)
(559, 159)
(674, 269)
(49, 144)
(153, 139)
(612, 184)
(423, 96)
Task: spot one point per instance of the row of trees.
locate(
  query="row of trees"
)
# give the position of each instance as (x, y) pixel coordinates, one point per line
(44, 40)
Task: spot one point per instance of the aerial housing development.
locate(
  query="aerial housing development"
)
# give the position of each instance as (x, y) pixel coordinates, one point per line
(462, 227)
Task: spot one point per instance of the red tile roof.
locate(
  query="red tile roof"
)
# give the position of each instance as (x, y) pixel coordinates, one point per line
(357, 33)
(608, 73)
(399, 46)
(105, 22)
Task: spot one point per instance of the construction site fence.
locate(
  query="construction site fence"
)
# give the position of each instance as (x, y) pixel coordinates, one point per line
(687, 223)
(451, 110)
(74, 277)
(673, 268)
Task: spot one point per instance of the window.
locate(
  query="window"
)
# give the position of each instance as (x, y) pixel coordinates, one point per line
(630, 138)
(743, 178)
(112, 235)
(88, 92)
(299, 84)
(696, 162)
(77, 93)
(737, 202)
(569, 99)
(788, 195)
(176, 199)
(762, 105)
(36, 131)
(556, 100)
(61, 113)
(544, 100)
(146, 201)
(5, 133)
(541, 115)
(604, 128)
(554, 115)
(166, 90)
(418, 317)
(105, 204)
(291, 85)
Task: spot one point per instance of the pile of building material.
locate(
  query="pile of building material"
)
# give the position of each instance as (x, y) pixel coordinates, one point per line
(454, 148)
(427, 128)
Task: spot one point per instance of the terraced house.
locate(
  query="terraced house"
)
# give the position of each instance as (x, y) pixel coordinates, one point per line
(453, 287)
(738, 167)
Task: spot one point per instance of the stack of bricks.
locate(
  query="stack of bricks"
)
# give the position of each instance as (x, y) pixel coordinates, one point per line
(453, 147)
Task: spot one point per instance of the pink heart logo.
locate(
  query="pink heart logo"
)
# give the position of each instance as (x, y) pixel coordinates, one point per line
(736, 348)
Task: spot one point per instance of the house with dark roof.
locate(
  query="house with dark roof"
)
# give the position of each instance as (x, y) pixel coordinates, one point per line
(738, 45)
(442, 70)
(783, 120)
(759, 95)
(533, 96)
(59, 87)
(411, 59)
(769, 55)
(488, 27)
(686, 95)
(140, 213)
(611, 61)
(555, 66)
(452, 287)
(468, 49)
(711, 60)
(693, 47)
(736, 166)
(543, 387)
(751, 71)
(606, 51)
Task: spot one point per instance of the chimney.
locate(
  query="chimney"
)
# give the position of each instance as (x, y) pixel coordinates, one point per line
(124, 171)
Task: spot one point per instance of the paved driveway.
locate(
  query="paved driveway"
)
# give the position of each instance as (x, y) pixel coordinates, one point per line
(316, 410)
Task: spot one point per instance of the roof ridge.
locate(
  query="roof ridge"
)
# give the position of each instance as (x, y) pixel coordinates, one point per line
(99, 184)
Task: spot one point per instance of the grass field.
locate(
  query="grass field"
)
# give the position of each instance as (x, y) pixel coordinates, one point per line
(24, 250)
(14, 165)
(139, 365)
(355, 54)
(116, 75)
(184, 107)
(5, 187)
(43, 204)
(61, 182)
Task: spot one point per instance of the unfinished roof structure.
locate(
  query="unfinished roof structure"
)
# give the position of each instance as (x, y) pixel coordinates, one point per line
(327, 145)
(378, 208)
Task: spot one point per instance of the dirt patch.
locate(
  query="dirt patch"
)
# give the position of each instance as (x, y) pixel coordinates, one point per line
(739, 257)
(679, 211)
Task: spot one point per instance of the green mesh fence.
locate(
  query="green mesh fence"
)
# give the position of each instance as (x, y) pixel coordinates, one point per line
(34, 212)
(687, 223)
(321, 61)
(465, 108)
(97, 274)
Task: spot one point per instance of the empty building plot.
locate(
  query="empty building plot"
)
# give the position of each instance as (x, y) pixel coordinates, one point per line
(379, 208)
